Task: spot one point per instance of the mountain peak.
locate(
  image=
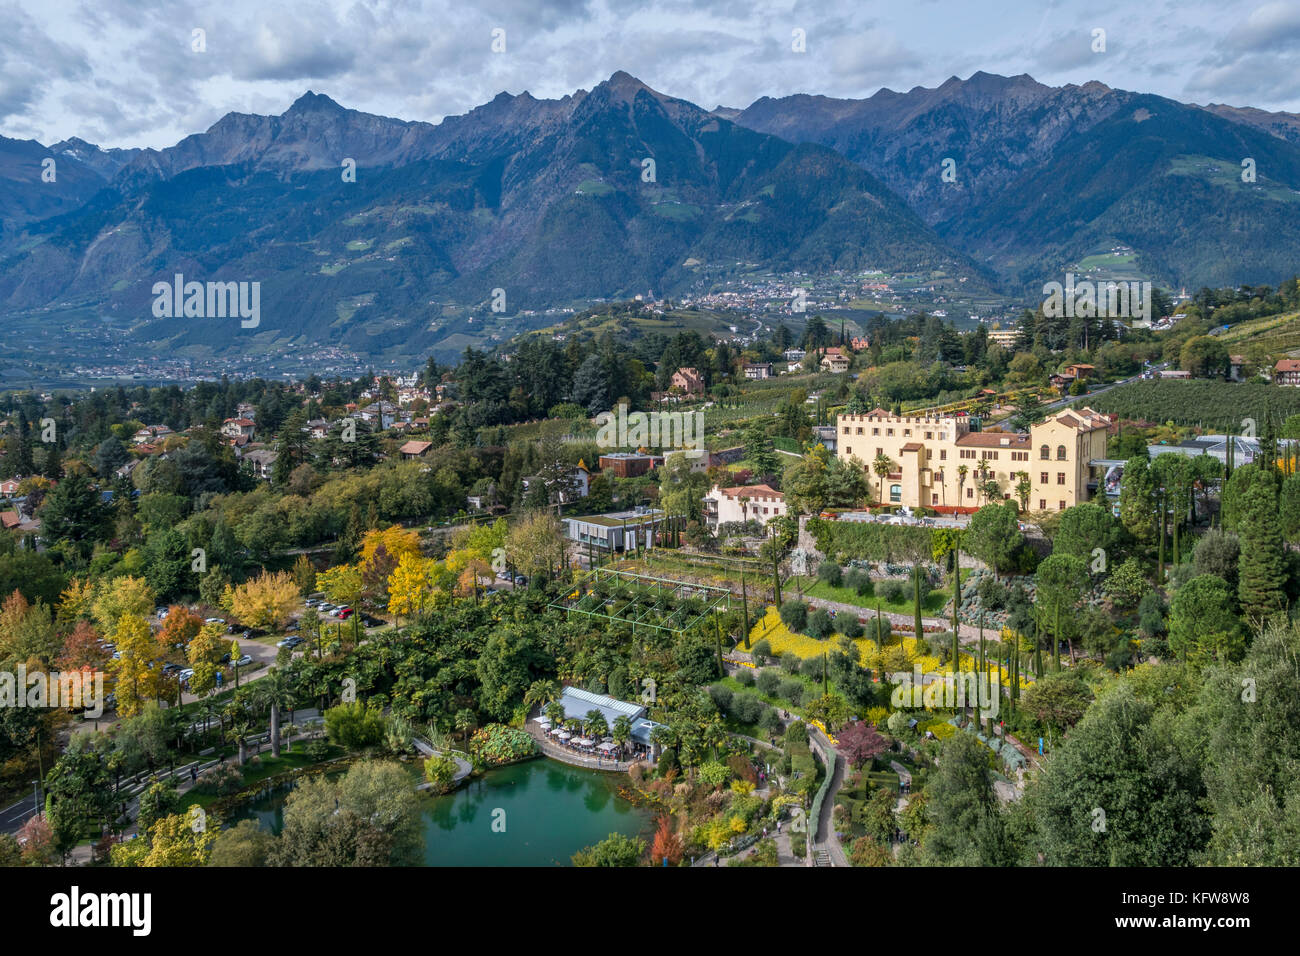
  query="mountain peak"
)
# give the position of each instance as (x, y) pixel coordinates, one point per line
(625, 86)
(314, 102)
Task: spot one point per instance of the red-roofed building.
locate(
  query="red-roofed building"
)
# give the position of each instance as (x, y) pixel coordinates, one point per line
(758, 503)
(414, 449)
(238, 428)
(1287, 372)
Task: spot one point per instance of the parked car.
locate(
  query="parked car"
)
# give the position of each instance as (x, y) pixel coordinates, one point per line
(345, 613)
(214, 620)
(290, 642)
(244, 660)
(186, 674)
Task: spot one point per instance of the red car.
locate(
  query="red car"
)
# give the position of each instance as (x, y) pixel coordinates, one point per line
(345, 613)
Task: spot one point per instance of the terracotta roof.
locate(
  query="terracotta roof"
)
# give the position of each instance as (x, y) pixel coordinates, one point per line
(415, 447)
(753, 491)
(994, 440)
(10, 519)
(912, 446)
(1287, 365)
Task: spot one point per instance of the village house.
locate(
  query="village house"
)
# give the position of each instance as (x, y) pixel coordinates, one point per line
(743, 503)
(688, 380)
(151, 433)
(939, 462)
(414, 449)
(382, 414)
(1287, 372)
(261, 462)
(238, 428)
(834, 360)
(579, 484)
(758, 371)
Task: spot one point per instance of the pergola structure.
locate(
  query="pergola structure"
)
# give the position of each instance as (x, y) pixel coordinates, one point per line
(643, 600)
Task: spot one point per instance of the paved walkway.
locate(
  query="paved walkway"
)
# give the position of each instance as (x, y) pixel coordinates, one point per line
(463, 767)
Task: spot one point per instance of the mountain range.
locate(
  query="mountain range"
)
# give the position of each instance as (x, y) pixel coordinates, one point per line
(999, 181)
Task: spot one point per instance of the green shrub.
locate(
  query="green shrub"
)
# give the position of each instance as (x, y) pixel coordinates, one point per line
(440, 771)
(792, 690)
(769, 680)
(794, 615)
(791, 662)
(848, 625)
(830, 573)
(746, 708)
(354, 726)
(745, 677)
(859, 581)
(820, 625)
(894, 591)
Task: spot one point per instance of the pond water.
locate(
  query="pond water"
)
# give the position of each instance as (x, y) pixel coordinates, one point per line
(551, 810)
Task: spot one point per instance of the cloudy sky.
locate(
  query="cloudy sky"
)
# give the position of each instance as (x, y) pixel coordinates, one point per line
(127, 72)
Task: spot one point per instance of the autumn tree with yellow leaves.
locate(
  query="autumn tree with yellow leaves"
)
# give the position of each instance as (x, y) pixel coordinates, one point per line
(135, 682)
(266, 601)
(120, 597)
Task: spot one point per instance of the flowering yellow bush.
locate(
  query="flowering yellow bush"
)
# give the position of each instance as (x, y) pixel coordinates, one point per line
(781, 639)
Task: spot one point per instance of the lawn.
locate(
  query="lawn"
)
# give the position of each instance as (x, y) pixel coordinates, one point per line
(931, 604)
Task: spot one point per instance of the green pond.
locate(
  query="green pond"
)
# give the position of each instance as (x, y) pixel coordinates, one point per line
(550, 810)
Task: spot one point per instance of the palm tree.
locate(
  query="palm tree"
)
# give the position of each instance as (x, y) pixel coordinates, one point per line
(962, 471)
(661, 736)
(622, 731)
(1023, 488)
(555, 713)
(982, 474)
(882, 466)
(465, 723)
(540, 693)
(274, 691)
(597, 725)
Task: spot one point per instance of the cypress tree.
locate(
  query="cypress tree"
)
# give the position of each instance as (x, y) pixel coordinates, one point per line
(956, 603)
(916, 597)
(1261, 568)
(744, 607)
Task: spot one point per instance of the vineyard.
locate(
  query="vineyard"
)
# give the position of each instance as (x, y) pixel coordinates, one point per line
(1276, 333)
(1212, 405)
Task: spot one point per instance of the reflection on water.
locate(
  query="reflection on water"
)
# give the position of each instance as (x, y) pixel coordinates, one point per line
(550, 811)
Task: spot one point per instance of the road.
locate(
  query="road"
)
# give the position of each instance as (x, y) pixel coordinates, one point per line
(1069, 399)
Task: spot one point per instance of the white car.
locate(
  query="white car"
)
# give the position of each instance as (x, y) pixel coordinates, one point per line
(185, 674)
